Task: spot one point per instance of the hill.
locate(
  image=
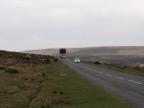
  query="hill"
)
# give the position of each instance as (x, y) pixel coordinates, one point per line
(127, 55)
(93, 51)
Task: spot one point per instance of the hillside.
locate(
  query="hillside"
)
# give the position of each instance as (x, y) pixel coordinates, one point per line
(129, 55)
(22, 77)
(93, 51)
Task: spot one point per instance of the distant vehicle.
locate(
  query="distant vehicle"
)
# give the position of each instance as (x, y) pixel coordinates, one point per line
(63, 57)
(76, 60)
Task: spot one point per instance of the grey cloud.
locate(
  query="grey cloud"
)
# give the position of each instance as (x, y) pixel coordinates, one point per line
(90, 21)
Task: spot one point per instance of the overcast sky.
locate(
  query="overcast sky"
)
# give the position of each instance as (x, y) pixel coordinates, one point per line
(40, 24)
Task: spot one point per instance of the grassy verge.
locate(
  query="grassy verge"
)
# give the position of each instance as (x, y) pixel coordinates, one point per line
(73, 91)
(120, 68)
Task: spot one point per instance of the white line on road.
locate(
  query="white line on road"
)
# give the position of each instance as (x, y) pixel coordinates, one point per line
(135, 82)
(108, 75)
(119, 77)
(100, 72)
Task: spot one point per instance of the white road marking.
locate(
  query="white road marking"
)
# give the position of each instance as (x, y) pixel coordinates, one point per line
(135, 82)
(108, 75)
(119, 77)
(100, 72)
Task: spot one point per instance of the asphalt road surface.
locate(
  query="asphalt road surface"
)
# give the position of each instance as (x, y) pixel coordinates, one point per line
(128, 87)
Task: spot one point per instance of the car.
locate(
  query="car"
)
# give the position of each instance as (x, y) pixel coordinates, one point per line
(76, 60)
(62, 56)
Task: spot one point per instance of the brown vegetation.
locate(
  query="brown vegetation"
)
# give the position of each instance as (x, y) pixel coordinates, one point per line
(21, 78)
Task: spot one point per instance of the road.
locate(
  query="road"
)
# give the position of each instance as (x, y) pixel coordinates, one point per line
(128, 87)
